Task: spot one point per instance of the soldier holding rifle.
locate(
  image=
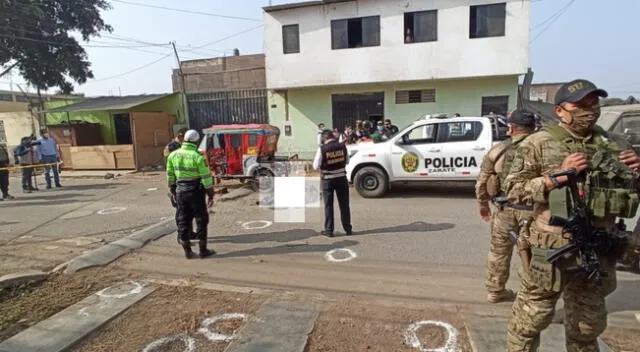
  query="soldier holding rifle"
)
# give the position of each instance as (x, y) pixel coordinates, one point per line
(606, 187)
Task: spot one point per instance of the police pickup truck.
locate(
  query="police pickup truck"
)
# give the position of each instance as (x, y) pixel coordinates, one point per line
(433, 148)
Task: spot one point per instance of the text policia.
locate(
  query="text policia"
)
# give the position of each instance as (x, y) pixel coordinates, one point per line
(449, 164)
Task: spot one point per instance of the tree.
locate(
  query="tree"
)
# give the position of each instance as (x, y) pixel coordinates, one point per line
(35, 38)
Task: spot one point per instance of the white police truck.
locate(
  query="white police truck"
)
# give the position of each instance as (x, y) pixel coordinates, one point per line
(433, 148)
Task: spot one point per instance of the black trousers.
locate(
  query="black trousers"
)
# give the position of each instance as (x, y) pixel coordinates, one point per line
(341, 188)
(192, 205)
(4, 179)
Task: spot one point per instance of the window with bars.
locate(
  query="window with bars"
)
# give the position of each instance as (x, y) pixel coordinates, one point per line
(355, 32)
(421, 26)
(497, 105)
(6, 97)
(415, 96)
(291, 39)
(487, 20)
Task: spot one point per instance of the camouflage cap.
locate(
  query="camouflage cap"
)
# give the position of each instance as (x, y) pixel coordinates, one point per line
(576, 90)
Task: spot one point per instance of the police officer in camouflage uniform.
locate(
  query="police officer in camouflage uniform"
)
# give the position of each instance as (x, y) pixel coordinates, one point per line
(579, 144)
(190, 180)
(509, 216)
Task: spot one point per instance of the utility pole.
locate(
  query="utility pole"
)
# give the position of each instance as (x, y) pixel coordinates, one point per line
(183, 89)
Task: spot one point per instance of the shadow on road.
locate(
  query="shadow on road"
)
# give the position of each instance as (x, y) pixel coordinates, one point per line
(440, 190)
(52, 199)
(418, 226)
(302, 234)
(280, 236)
(2, 223)
(287, 249)
(95, 186)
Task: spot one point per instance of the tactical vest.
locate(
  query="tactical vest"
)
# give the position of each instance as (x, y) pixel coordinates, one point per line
(334, 160)
(610, 187)
(495, 182)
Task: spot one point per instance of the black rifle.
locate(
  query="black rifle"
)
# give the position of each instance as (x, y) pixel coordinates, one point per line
(588, 242)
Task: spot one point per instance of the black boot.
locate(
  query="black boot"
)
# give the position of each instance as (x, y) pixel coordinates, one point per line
(204, 252)
(187, 251)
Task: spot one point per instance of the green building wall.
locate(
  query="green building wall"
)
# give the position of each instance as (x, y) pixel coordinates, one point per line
(172, 104)
(307, 107)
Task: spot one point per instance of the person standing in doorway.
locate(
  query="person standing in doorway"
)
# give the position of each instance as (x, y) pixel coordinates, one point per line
(331, 159)
(4, 174)
(50, 155)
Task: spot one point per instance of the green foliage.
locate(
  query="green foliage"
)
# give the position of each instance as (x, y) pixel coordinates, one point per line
(35, 35)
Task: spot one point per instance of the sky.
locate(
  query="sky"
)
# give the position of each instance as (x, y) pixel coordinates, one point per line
(569, 39)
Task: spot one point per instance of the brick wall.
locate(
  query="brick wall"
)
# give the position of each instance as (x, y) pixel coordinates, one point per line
(221, 74)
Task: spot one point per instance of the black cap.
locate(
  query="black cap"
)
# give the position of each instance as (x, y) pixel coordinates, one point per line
(576, 90)
(522, 118)
(326, 131)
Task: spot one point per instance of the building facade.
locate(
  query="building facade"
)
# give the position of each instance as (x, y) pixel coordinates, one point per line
(224, 90)
(340, 61)
(543, 92)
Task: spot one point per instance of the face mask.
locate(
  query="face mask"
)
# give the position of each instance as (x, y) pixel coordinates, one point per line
(380, 128)
(46, 135)
(583, 120)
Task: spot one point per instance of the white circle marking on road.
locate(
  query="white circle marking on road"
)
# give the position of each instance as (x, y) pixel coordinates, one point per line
(265, 224)
(111, 210)
(205, 326)
(330, 255)
(189, 343)
(412, 339)
(134, 291)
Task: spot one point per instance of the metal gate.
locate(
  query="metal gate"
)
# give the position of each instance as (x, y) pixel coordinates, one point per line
(230, 107)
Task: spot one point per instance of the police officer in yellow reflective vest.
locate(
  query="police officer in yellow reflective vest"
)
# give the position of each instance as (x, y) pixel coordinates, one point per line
(190, 180)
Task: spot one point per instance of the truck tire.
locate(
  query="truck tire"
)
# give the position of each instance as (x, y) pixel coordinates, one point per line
(371, 182)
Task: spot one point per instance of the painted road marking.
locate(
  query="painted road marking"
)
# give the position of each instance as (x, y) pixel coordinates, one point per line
(113, 210)
(189, 343)
(412, 339)
(330, 255)
(249, 225)
(212, 335)
(134, 291)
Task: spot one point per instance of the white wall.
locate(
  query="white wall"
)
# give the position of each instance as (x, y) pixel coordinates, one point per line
(18, 125)
(453, 55)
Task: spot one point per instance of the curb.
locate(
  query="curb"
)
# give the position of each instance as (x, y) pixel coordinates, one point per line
(17, 279)
(114, 250)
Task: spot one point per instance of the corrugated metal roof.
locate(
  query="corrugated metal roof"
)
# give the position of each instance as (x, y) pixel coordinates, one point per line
(109, 103)
(302, 4)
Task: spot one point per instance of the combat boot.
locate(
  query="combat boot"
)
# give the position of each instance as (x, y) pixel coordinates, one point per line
(204, 252)
(188, 253)
(504, 295)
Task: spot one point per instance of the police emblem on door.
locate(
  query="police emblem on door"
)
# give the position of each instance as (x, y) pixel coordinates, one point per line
(410, 162)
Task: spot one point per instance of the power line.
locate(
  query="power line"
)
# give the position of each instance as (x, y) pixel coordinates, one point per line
(60, 43)
(553, 19)
(132, 71)
(187, 11)
(227, 37)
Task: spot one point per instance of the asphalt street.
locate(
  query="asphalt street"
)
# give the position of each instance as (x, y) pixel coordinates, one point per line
(45, 228)
(420, 244)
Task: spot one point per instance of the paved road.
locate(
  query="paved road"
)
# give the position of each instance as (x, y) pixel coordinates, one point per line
(43, 229)
(418, 244)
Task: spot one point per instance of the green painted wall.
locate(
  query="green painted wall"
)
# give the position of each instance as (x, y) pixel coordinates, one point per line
(171, 105)
(101, 117)
(310, 106)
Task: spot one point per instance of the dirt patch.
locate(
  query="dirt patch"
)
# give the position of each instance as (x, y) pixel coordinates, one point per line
(27, 305)
(171, 311)
(354, 325)
(622, 340)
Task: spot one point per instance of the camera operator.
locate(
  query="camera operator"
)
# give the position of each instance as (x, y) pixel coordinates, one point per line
(27, 154)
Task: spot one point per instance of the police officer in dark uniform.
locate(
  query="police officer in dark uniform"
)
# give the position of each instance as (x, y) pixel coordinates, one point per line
(332, 158)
